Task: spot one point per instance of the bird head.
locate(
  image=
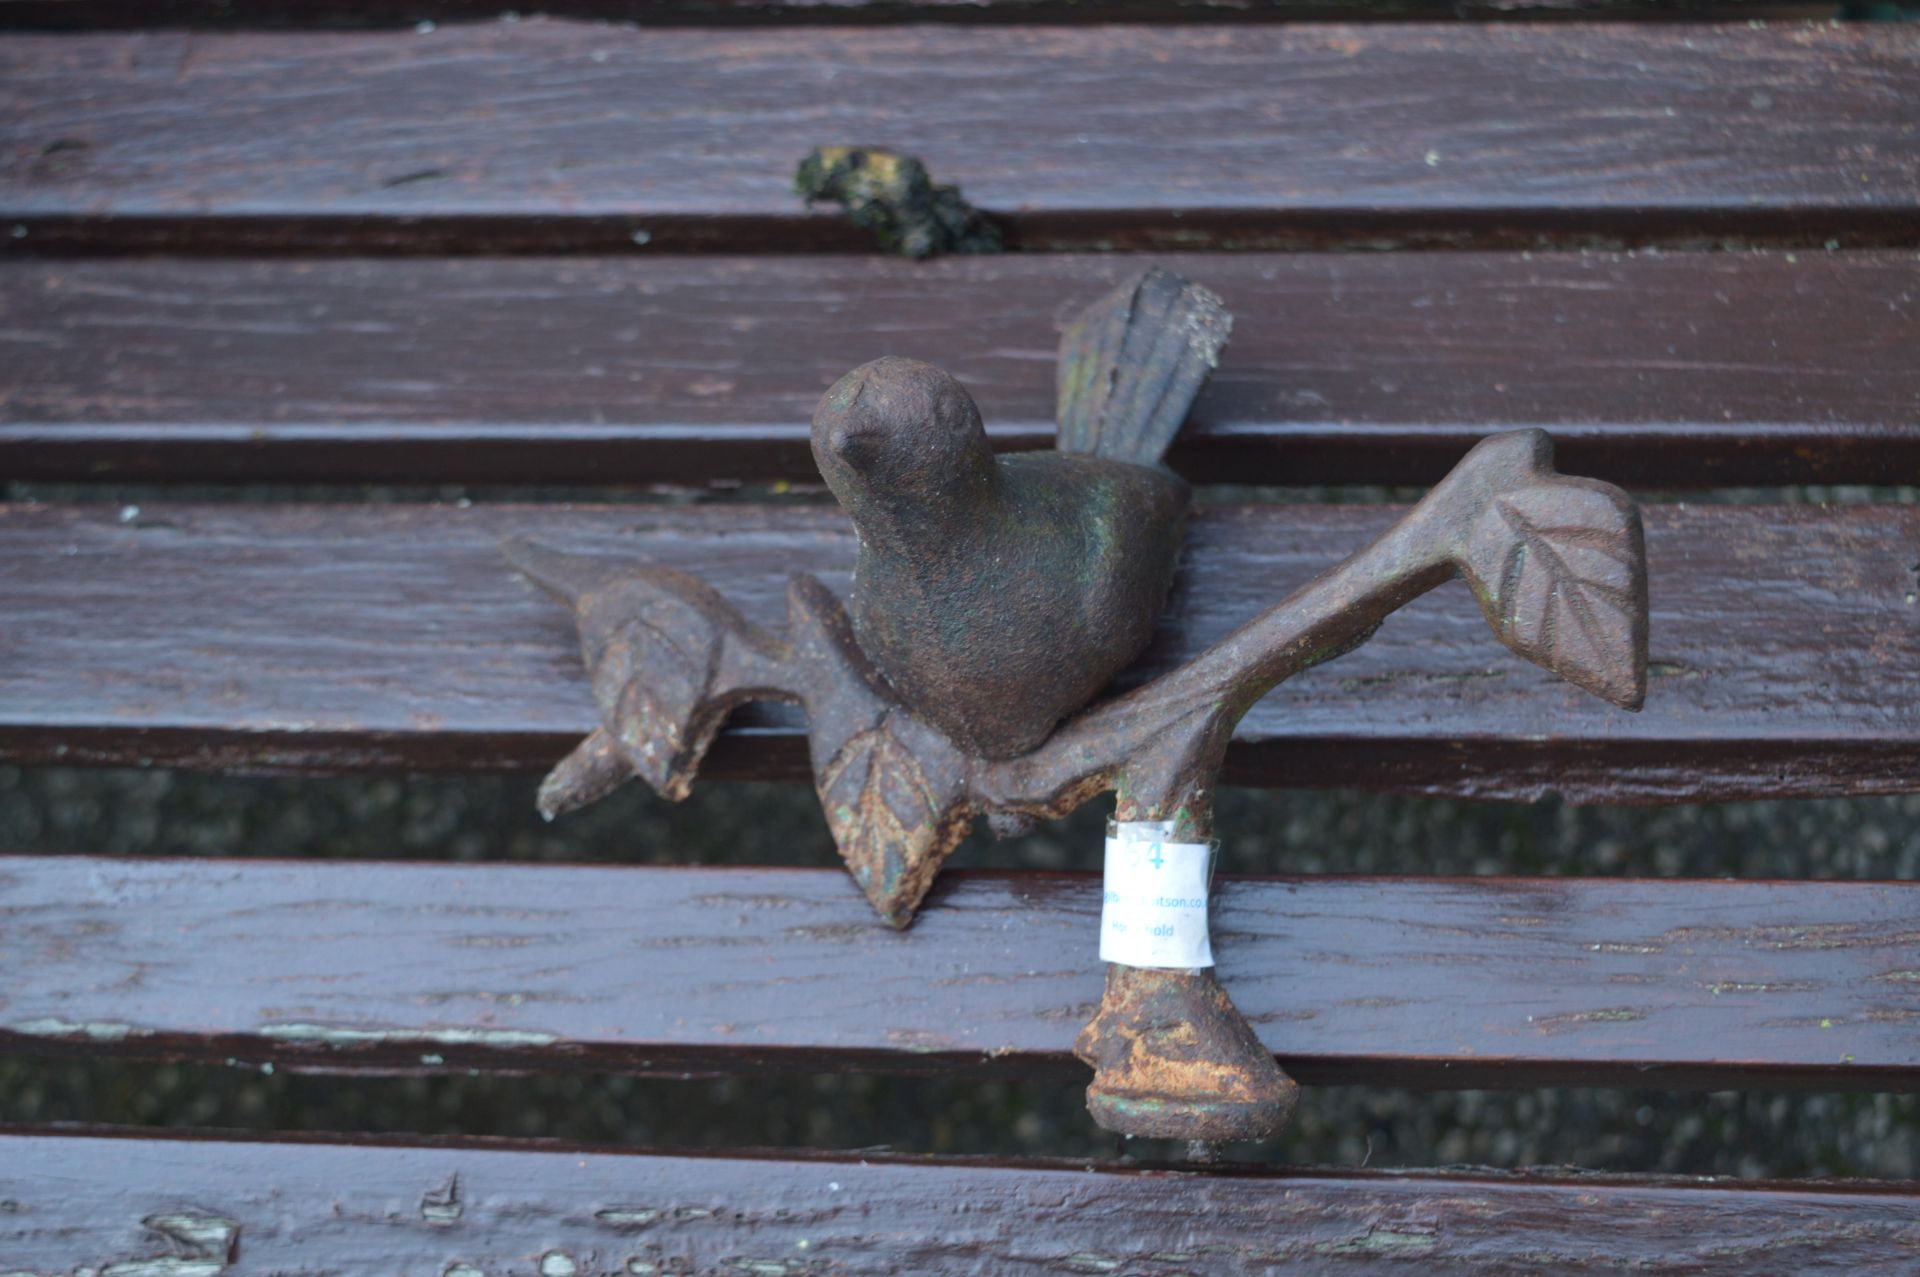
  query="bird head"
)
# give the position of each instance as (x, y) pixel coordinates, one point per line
(901, 445)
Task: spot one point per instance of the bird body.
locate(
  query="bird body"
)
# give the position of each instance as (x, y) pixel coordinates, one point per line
(997, 595)
(1015, 618)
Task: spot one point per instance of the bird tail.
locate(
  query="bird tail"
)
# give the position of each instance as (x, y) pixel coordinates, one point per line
(1132, 364)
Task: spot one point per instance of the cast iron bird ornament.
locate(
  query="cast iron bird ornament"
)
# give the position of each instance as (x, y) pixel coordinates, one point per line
(993, 599)
(996, 595)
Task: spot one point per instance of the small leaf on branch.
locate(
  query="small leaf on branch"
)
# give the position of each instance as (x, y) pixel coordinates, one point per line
(894, 789)
(1558, 567)
(894, 824)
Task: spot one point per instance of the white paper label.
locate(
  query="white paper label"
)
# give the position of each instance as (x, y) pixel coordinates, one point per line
(1154, 913)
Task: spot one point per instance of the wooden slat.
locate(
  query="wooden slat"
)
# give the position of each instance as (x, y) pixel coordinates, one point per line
(1785, 646)
(549, 135)
(1396, 981)
(309, 1207)
(1651, 369)
(83, 15)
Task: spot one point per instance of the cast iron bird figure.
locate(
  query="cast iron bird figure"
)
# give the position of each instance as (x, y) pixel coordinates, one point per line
(992, 600)
(996, 595)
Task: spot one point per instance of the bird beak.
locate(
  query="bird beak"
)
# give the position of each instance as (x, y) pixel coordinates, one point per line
(853, 446)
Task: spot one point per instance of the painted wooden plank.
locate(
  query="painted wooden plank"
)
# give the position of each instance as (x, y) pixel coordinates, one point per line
(228, 1208)
(1785, 647)
(1433, 983)
(551, 135)
(86, 15)
(1661, 370)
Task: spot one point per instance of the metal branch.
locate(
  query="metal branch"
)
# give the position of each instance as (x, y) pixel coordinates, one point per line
(1162, 745)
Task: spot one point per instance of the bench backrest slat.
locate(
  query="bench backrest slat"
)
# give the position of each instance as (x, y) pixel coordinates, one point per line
(1655, 370)
(541, 136)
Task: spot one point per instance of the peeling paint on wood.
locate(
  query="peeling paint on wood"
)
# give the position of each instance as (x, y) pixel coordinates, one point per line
(203, 1246)
(350, 1038)
(442, 1205)
(97, 1031)
(314, 1207)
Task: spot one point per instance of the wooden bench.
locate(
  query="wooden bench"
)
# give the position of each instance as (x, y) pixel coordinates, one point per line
(248, 246)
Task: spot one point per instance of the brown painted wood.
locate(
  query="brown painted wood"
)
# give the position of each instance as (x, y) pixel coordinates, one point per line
(1785, 646)
(549, 135)
(312, 1207)
(71, 15)
(1651, 369)
(1436, 983)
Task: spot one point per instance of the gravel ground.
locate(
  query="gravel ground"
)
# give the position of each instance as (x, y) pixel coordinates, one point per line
(470, 818)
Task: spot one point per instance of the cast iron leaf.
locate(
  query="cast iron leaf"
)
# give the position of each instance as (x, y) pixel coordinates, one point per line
(893, 824)
(894, 790)
(1559, 568)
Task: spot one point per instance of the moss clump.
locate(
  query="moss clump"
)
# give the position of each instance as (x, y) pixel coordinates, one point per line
(892, 196)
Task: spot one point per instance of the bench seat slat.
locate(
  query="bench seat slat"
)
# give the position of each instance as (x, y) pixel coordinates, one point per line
(1786, 653)
(82, 15)
(559, 135)
(1400, 981)
(312, 1207)
(1663, 370)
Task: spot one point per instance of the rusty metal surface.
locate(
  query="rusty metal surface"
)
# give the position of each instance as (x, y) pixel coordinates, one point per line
(904, 761)
(1173, 1057)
